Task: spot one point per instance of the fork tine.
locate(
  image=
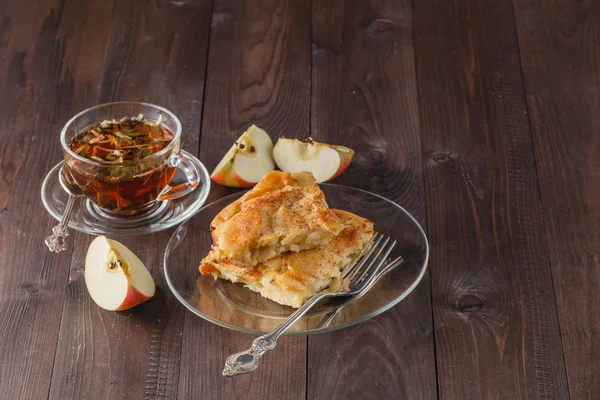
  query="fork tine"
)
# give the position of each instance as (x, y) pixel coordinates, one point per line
(377, 262)
(360, 260)
(390, 265)
(372, 256)
(366, 284)
(372, 280)
(367, 259)
(396, 260)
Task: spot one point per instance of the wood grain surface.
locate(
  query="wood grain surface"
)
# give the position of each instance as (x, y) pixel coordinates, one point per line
(559, 45)
(496, 328)
(480, 118)
(36, 96)
(364, 96)
(136, 353)
(258, 72)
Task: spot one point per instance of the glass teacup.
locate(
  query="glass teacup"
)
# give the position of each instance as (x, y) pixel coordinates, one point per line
(130, 187)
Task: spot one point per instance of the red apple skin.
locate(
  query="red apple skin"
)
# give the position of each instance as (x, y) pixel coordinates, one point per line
(226, 175)
(345, 159)
(132, 299)
(233, 180)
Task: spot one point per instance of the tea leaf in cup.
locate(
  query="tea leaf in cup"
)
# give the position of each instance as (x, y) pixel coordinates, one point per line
(140, 138)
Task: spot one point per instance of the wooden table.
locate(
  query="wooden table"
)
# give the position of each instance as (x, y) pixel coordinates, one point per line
(482, 118)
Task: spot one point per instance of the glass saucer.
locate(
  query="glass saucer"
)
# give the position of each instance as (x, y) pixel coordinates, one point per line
(89, 218)
(232, 306)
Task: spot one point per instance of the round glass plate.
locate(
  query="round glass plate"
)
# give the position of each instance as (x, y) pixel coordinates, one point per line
(90, 219)
(232, 306)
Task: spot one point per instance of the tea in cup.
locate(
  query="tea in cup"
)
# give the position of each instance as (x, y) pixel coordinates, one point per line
(124, 155)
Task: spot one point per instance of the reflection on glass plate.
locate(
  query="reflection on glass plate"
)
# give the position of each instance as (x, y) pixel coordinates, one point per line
(90, 219)
(231, 305)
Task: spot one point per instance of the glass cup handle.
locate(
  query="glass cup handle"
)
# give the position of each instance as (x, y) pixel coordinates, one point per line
(192, 174)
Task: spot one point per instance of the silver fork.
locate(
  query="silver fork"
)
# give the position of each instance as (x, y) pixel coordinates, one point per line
(382, 272)
(360, 274)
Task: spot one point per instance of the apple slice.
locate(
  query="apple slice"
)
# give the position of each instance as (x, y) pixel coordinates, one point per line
(325, 161)
(247, 161)
(115, 277)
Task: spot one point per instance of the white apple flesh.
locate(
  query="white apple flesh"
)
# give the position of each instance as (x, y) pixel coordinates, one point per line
(247, 161)
(324, 161)
(116, 278)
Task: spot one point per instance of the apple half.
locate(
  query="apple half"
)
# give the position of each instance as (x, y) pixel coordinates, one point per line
(247, 161)
(116, 279)
(324, 161)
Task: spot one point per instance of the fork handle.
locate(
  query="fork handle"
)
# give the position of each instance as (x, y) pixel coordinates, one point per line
(247, 361)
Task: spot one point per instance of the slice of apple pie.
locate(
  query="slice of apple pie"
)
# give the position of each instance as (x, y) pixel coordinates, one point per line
(293, 277)
(283, 212)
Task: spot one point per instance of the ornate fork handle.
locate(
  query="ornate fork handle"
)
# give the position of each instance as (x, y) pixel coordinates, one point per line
(247, 361)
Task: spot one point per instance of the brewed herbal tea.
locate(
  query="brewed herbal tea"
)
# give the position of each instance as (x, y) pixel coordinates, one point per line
(130, 139)
(128, 177)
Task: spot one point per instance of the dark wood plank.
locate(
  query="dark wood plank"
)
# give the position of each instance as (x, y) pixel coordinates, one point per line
(7, 15)
(129, 354)
(36, 96)
(364, 96)
(496, 327)
(157, 54)
(559, 52)
(258, 72)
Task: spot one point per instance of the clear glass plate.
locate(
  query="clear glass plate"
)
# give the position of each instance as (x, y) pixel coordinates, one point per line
(88, 218)
(232, 306)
